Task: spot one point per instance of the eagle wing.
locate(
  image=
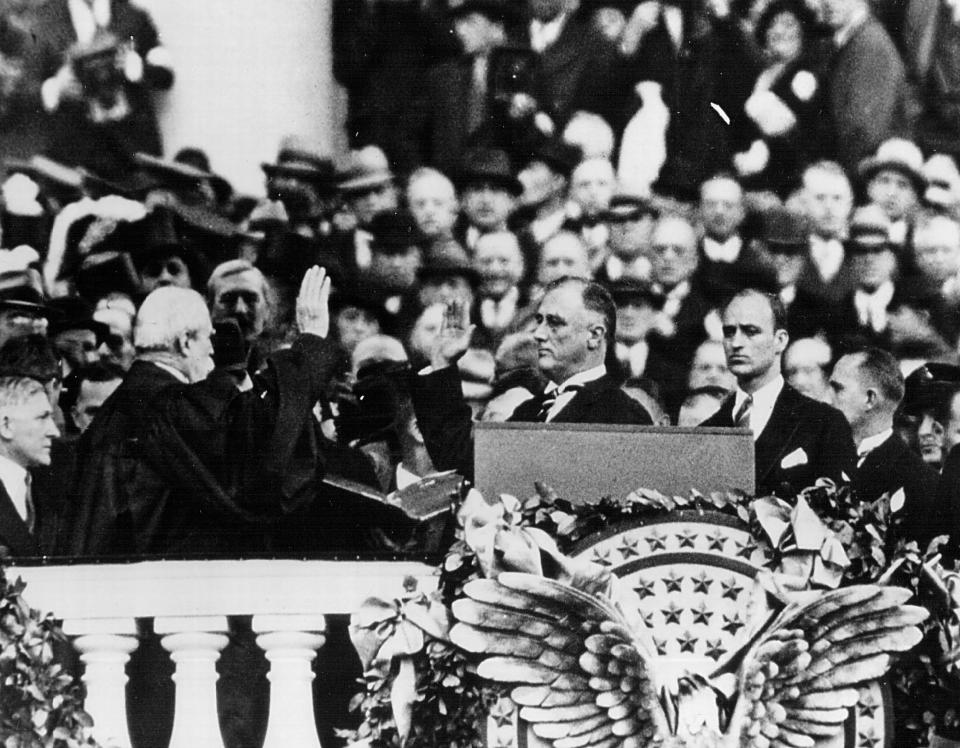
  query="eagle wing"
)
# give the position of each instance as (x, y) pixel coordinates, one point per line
(582, 679)
(800, 677)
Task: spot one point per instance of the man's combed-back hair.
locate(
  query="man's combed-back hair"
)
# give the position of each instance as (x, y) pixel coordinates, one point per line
(777, 307)
(882, 371)
(595, 298)
(15, 391)
(165, 315)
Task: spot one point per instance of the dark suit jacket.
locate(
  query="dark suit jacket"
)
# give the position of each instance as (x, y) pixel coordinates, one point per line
(445, 423)
(890, 467)
(867, 93)
(948, 502)
(15, 538)
(798, 423)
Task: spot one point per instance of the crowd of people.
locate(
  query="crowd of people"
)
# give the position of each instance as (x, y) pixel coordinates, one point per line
(670, 213)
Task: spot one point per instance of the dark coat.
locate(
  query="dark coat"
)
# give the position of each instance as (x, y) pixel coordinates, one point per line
(15, 538)
(890, 467)
(948, 502)
(174, 468)
(73, 139)
(720, 281)
(445, 423)
(798, 423)
(868, 97)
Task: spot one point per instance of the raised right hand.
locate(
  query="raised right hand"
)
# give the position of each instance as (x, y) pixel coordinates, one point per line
(453, 339)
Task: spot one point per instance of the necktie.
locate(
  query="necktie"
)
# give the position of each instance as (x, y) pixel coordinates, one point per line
(550, 399)
(742, 418)
(31, 518)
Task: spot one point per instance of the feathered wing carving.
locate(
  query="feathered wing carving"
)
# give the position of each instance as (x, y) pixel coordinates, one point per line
(583, 674)
(799, 678)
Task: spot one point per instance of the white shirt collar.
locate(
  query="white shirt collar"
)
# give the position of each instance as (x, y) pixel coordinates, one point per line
(763, 401)
(857, 19)
(872, 306)
(544, 228)
(727, 251)
(497, 314)
(827, 255)
(86, 19)
(14, 479)
(565, 394)
(405, 477)
(866, 446)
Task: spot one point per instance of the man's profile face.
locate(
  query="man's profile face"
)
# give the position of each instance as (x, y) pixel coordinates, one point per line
(198, 353)
(433, 204)
(829, 200)
(924, 433)
(721, 208)
(805, 365)
(30, 430)
(750, 342)
(487, 206)
(849, 394)
(565, 342)
(241, 297)
(92, 395)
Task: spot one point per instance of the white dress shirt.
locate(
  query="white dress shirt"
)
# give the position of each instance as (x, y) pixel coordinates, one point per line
(497, 314)
(567, 394)
(727, 251)
(872, 306)
(763, 401)
(827, 256)
(14, 479)
(635, 355)
(866, 446)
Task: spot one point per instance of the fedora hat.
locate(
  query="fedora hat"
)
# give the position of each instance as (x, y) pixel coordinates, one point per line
(490, 165)
(895, 154)
(73, 313)
(23, 290)
(869, 230)
(784, 231)
(559, 156)
(299, 163)
(364, 170)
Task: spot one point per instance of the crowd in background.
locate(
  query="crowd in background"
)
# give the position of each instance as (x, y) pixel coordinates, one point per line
(674, 151)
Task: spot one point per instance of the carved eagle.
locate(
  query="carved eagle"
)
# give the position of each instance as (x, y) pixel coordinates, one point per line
(585, 674)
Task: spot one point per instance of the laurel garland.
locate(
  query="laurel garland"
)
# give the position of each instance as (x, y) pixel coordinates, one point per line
(41, 704)
(452, 706)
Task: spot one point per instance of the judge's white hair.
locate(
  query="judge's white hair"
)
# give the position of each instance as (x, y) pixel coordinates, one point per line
(165, 315)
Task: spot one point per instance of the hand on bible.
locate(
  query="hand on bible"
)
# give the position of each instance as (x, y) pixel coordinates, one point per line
(454, 337)
(313, 310)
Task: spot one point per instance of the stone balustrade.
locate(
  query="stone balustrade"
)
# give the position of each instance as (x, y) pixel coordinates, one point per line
(189, 602)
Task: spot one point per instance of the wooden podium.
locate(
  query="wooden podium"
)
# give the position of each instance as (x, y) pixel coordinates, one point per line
(586, 462)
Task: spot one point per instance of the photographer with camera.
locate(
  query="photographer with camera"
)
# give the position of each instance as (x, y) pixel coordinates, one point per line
(97, 63)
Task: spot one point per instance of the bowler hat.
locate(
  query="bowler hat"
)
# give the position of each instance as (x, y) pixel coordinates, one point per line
(895, 154)
(73, 313)
(184, 172)
(784, 231)
(627, 290)
(561, 157)
(365, 170)
(394, 231)
(491, 165)
(869, 230)
(445, 266)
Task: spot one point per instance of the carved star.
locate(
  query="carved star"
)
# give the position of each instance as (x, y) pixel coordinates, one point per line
(715, 541)
(647, 618)
(731, 589)
(502, 712)
(657, 541)
(732, 625)
(602, 556)
(661, 645)
(629, 547)
(702, 583)
(745, 550)
(702, 615)
(687, 538)
(714, 650)
(868, 708)
(673, 581)
(644, 588)
(687, 642)
(671, 614)
(869, 739)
